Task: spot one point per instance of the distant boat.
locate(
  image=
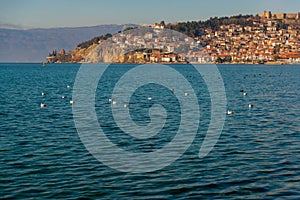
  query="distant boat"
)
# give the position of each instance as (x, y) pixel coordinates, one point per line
(43, 64)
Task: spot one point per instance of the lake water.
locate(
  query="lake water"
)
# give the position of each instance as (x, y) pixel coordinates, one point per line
(256, 156)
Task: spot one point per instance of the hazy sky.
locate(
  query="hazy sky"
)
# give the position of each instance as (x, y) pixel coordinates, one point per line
(62, 13)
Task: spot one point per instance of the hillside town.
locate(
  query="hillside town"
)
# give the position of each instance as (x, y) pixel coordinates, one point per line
(263, 39)
(264, 42)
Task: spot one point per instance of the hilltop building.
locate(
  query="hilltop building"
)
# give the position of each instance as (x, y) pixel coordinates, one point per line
(283, 16)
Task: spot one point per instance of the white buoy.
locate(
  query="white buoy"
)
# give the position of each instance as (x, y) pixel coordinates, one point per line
(250, 105)
(149, 98)
(63, 97)
(114, 102)
(110, 100)
(126, 105)
(43, 105)
(230, 112)
(43, 93)
(245, 93)
(68, 86)
(186, 94)
(72, 101)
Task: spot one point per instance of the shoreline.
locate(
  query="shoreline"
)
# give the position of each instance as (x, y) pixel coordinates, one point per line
(163, 63)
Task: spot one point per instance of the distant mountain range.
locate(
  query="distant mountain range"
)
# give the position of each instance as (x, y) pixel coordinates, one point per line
(32, 45)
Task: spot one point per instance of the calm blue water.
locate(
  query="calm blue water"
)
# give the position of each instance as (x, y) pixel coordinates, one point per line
(257, 155)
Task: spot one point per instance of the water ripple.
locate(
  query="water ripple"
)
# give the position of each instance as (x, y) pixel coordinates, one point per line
(257, 155)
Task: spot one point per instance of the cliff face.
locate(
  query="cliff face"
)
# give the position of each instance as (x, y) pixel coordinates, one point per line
(79, 54)
(110, 52)
(105, 52)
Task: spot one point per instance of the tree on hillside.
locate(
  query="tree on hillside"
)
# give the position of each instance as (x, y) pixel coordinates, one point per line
(95, 40)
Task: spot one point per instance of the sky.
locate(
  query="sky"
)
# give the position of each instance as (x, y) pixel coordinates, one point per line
(76, 13)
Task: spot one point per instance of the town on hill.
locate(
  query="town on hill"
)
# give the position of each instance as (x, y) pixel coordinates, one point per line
(265, 38)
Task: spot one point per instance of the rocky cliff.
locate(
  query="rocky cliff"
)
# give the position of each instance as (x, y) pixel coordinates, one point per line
(105, 52)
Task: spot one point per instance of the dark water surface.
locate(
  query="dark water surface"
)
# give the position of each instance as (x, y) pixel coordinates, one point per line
(257, 155)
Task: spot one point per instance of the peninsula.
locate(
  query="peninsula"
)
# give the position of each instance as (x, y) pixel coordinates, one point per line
(265, 38)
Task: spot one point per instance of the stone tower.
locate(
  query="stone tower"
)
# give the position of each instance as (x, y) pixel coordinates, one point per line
(298, 15)
(268, 14)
